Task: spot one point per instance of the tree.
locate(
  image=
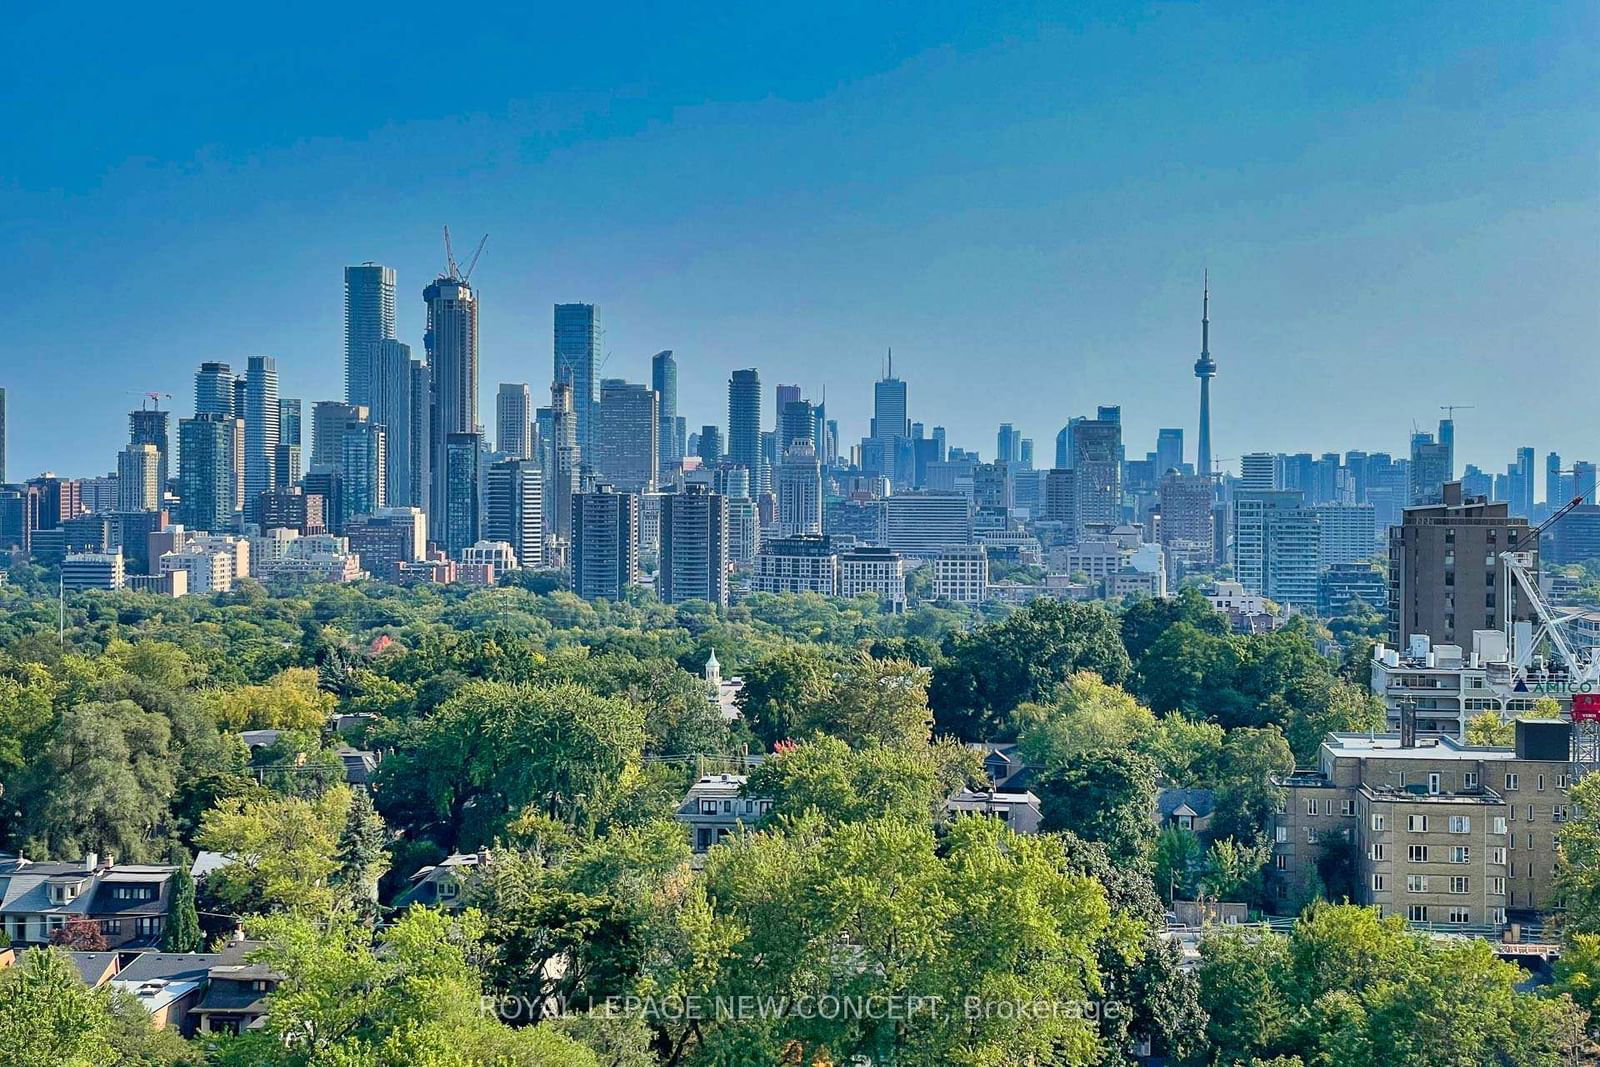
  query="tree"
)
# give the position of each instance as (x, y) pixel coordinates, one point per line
(1233, 870)
(1104, 796)
(1177, 858)
(182, 930)
(825, 776)
(1488, 730)
(79, 935)
(1577, 879)
(48, 1017)
(987, 672)
(871, 701)
(778, 691)
(281, 850)
(1087, 714)
(290, 700)
(362, 856)
(1241, 991)
(1246, 793)
(1577, 974)
(1145, 620)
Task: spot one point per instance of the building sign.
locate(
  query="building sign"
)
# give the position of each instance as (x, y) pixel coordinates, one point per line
(1586, 707)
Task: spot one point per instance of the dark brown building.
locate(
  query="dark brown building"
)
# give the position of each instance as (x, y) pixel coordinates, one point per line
(1445, 575)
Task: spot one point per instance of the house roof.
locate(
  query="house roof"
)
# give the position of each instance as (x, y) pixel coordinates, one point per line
(1200, 802)
(93, 966)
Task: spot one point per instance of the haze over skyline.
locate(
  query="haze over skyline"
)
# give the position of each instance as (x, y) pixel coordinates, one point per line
(1394, 209)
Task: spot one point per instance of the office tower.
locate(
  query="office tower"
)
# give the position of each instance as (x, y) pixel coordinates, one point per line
(605, 543)
(1169, 450)
(368, 318)
(577, 357)
(328, 420)
(260, 426)
(1007, 445)
(149, 426)
(1061, 501)
(797, 423)
(1576, 538)
(387, 539)
(1064, 447)
(364, 469)
(392, 406)
(1025, 454)
(664, 380)
(1583, 481)
(1474, 482)
(1188, 531)
(208, 484)
(1430, 469)
(1554, 494)
(992, 486)
(709, 446)
(680, 431)
(1258, 471)
(139, 478)
(1348, 533)
(627, 436)
(2, 435)
(287, 460)
(819, 429)
(1277, 546)
(239, 396)
(1097, 467)
(451, 341)
(694, 546)
(324, 485)
(513, 420)
(565, 468)
(744, 419)
(1205, 368)
(461, 511)
(889, 428)
(921, 523)
(420, 438)
(744, 531)
(513, 509)
(799, 491)
(784, 395)
(1445, 575)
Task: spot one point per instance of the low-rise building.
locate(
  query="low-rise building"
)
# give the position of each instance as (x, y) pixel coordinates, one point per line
(961, 574)
(1017, 810)
(876, 570)
(805, 563)
(39, 897)
(715, 807)
(92, 570)
(1445, 688)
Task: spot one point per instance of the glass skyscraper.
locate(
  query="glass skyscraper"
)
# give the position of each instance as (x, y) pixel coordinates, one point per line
(577, 354)
(368, 319)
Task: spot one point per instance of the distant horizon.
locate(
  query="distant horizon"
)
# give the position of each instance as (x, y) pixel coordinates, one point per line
(1398, 210)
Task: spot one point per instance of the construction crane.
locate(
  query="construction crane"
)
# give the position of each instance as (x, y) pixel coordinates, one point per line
(450, 258)
(1451, 409)
(1521, 573)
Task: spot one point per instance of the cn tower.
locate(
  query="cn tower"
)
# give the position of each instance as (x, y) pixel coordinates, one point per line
(1205, 368)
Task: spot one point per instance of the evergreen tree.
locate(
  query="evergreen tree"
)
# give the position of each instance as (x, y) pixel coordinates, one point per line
(361, 855)
(182, 933)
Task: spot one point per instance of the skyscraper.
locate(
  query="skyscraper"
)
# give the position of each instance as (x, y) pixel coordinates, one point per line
(784, 395)
(1430, 469)
(797, 422)
(628, 436)
(1277, 546)
(260, 427)
(421, 437)
(1007, 445)
(513, 420)
(365, 469)
(799, 491)
(513, 509)
(890, 427)
(577, 357)
(567, 458)
(694, 546)
(2, 435)
(368, 319)
(328, 420)
(1097, 467)
(605, 543)
(287, 462)
(208, 487)
(744, 418)
(391, 405)
(664, 380)
(149, 426)
(461, 510)
(1169, 450)
(138, 478)
(451, 341)
(214, 390)
(709, 445)
(1205, 368)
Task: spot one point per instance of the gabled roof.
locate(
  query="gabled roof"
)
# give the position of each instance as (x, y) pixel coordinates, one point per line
(1200, 802)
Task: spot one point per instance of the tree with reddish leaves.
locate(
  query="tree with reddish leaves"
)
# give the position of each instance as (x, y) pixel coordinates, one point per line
(80, 935)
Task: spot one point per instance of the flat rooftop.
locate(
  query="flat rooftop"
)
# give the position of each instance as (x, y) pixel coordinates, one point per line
(1387, 746)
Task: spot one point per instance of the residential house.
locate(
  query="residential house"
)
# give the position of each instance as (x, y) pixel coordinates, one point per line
(715, 807)
(1018, 810)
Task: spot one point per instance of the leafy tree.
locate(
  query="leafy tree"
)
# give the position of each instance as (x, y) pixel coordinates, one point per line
(1178, 858)
(79, 935)
(1233, 870)
(1488, 730)
(1104, 796)
(1577, 878)
(987, 672)
(181, 932)
(298, 765)
(870, 701)
(1087, 714)
(1145, 620)
(827, 777)
(1577, 974)
(48, 1017)
(1241, 991)
(290, 700)
(281, 851)
(1246, 795)
(779, 689)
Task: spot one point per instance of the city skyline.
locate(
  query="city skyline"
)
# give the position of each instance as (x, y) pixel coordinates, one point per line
(1334, 178)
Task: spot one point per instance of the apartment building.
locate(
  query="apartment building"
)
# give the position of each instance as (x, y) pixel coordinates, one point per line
(1441, 832)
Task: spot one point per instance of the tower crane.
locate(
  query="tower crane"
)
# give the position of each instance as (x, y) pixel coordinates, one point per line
(1583, 665)
(450, 258)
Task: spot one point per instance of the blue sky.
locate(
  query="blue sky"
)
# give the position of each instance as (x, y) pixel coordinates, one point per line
(1398, 208)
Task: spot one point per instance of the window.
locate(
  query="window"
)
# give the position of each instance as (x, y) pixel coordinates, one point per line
(1459, 884)
(1460, 854)
(1460, 824)
(1497, 856)
(1416, 883)
(1458, 915)
(1497, 886)
(1433, 783)
(1379, 822)
(1499, 825)
(708, 807)
(1511, 781)
(1348, 809)
(448, 889)
(1497, 915)
(1417, 824)
(1380, 851)
(1311, 807)
(1280, 861)
(1380, 883)
(1563, 781)
(1417, 913)
(1469, 779)
(1311, 835)
(1186, 822)
(1541, 783)
(1558, 813)
(1280, 834)
(147, 927)
(111, 926)
(1417, 853)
